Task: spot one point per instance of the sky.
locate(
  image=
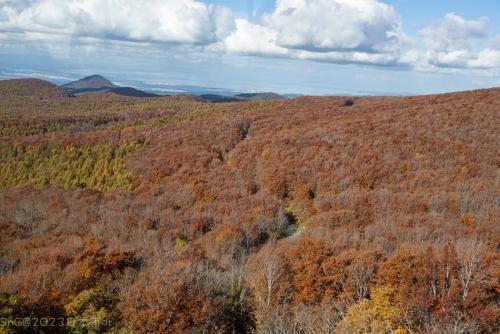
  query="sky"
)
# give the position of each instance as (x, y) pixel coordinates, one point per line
(320, 47)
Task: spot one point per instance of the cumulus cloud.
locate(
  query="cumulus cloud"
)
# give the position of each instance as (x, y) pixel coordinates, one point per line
(453, 32)
(343, 31)
(254, 39)
(336, 31)
(364, 32)
(487, 58)
(454, 42)
(164, 21)
(334, 25)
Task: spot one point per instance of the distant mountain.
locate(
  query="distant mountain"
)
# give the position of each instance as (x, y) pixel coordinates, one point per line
(214, 98)
(260, 96)
(129, 91)
(31, 88)
(90, 82)
(99, 84)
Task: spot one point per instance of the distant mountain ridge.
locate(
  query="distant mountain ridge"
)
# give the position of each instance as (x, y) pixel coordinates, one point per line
(98, 84)
(214, 98)
(261, 96)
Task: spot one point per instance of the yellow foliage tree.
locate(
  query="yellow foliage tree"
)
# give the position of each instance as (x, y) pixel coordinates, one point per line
(179, 245)
(376, 315)
(85, 314)
(100, 167)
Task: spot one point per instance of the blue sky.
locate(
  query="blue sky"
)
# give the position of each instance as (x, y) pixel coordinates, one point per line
(289, 46)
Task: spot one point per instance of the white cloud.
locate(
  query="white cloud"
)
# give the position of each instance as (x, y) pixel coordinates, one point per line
(163, 21)
(334, 25)
(454, 42)
(453, 32)
(342, 31)
(487, 58)
(253, 39)
(455, 58)
(349, 57)
(337, 31)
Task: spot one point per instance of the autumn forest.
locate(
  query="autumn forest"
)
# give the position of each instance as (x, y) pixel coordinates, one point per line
(307, 215)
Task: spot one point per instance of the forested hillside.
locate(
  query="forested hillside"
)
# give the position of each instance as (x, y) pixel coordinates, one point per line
(308, 215)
